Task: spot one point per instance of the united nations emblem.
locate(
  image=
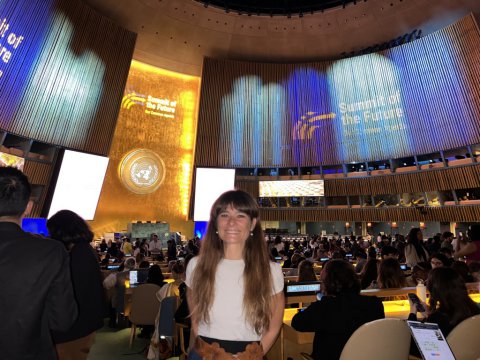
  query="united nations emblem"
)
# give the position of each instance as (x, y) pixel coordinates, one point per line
(142, 171)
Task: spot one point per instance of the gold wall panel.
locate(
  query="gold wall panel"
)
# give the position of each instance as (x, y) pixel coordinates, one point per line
(158, 113)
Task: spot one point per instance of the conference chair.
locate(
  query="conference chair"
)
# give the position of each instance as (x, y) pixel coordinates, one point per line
(464, 339)
(378, 339)
(144, 307)
(166, 326)
(181, 329)
(389, 337)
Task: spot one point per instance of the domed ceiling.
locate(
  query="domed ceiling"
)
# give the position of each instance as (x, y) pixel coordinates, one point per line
(177, 34)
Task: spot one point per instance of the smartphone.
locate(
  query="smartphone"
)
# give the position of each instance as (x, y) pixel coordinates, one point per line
(414, 298)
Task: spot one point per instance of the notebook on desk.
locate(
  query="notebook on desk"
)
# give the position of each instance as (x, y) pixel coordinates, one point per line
(430, 341)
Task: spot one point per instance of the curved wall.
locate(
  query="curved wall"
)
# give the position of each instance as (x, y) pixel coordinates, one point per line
(418, 98)
(63, 68)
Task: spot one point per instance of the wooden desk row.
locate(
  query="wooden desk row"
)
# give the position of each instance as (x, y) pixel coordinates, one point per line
(291, 343)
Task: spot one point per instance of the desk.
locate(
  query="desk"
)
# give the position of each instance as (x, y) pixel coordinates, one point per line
(291, 343)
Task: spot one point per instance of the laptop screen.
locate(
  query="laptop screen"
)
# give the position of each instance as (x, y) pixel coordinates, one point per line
(302, 288)
(133, 277)
(430, 341)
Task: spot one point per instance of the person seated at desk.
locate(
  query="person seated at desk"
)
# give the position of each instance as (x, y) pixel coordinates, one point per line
(306, 271)
(390, 275)
(448, 304)
(339, 312)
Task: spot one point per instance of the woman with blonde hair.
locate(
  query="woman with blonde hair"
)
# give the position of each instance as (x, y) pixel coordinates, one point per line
(234, 291)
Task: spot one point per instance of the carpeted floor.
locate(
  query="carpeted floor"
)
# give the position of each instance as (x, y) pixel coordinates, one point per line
(112, 344)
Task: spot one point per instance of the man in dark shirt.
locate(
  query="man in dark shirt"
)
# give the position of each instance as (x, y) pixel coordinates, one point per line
(36, 294)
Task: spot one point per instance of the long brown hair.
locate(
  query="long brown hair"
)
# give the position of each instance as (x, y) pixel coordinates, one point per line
(390, 275)
(258, 284)
(448, 295)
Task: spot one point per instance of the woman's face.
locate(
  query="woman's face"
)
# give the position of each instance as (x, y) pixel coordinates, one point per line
(234, 226)
(436, 263)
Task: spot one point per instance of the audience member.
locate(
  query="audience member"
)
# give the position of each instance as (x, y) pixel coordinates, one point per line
(462, 269)
(400, 246)
(389, 252)
(155, 276)
(419, 274)
(448, 304)
(306, 271)
(415, 252)
(447, 238)
(390, 275)
(361, 257)
(369, 273)
(439, 260)
(69, 228)
(474, 268)
(38, 297)
(471, 250)
(155, 247)
(339, 312)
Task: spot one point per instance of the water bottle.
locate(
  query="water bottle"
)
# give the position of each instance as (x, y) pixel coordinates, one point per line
(422, 291)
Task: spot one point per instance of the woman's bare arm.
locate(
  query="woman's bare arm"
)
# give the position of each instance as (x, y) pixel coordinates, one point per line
(193, 318)
(276, 322)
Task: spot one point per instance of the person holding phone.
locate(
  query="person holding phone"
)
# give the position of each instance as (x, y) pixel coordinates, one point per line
(234, 291)
(448, 305)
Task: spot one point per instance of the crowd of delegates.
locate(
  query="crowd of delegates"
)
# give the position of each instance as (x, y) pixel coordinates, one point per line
(351, 264)
(370, 255)
(233, 270)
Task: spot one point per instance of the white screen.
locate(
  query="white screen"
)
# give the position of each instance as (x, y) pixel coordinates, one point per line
(289, 188)
(430, 341)
(209, 185)
(79, 184)
(133, 276)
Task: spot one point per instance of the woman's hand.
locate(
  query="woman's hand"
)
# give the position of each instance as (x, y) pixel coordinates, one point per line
(413, 307)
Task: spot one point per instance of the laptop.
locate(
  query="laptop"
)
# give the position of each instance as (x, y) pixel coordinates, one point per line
(430, 341)
(302, 288)
(138, 277)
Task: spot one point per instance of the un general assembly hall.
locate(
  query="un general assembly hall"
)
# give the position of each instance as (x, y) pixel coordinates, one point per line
(354, 125)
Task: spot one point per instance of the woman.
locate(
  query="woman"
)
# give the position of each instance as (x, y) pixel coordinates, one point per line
(390, 275)
(306, 271)
(438, 260)
(71, 229)
(449, 303)
(155, 276)
(233, 289)
(340, 311)
(415, 252)
(369, 273)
